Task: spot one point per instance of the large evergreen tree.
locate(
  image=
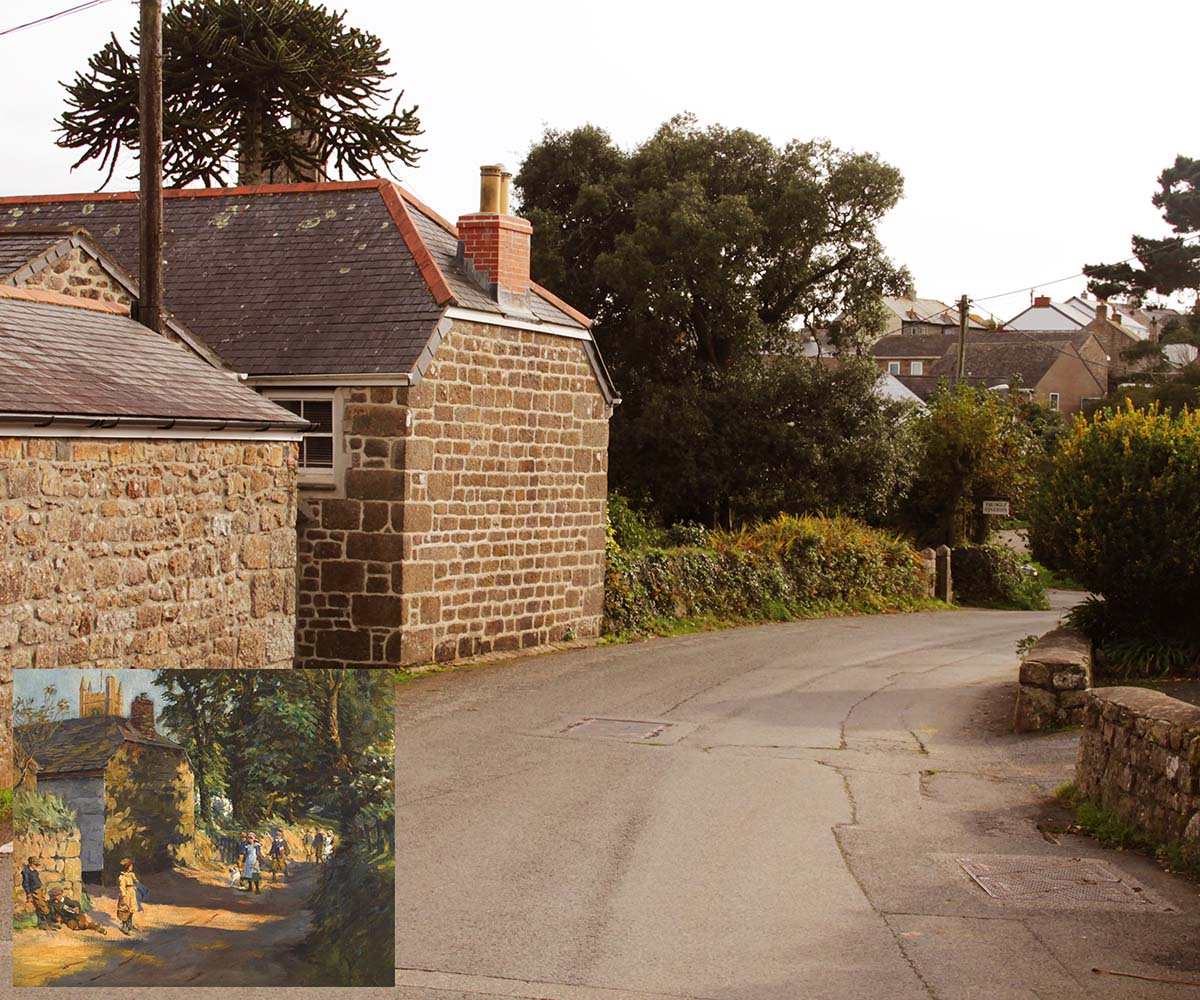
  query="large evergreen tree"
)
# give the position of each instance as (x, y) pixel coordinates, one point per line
(702, 254)
(274, 89)
(1164, 265)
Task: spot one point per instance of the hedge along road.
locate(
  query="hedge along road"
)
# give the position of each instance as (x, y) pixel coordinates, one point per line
(793, 833)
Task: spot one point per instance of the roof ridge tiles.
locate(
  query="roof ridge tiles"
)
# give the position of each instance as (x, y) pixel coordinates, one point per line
(59, 299)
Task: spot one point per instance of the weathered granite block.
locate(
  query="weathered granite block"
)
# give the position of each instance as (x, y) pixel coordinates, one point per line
(1055, 674)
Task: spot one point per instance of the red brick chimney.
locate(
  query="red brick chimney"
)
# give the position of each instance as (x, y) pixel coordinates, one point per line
(1041, 301)
(494, 245)
(1102, 311)
(141, 714)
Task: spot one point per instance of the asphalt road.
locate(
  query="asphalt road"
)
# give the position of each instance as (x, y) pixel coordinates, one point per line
(793, 834)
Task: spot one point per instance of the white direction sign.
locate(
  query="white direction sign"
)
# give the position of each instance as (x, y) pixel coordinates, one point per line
(996, 507)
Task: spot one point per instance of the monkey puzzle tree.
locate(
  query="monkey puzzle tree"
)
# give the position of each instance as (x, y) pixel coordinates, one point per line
(278, 89)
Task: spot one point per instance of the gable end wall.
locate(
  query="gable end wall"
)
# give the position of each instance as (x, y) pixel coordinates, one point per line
(470, 515)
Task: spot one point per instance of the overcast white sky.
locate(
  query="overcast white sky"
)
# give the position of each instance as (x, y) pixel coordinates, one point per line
(1030, 135)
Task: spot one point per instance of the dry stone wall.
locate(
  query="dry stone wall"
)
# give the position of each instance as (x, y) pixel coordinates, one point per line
(471, 514)
(1139, 758)
(57, 852)
(146, 553)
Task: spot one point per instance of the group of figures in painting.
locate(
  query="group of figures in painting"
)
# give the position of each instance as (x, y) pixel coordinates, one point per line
(230, 827)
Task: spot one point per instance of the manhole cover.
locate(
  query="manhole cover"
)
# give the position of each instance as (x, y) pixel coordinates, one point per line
(1075, 880)
(617, 729)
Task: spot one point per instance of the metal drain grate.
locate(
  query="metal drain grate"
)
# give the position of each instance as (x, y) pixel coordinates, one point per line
(1075, 880)
(617, 729)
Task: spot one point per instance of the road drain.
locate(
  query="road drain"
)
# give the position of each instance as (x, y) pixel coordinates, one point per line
(1079, 881)
(617, 729)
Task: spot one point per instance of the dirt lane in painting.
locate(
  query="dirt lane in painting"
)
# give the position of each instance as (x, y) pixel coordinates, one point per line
(209, 934)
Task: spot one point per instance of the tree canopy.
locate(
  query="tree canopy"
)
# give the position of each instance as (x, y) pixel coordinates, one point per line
(702, 254)
(276, 89)
(286, 744)
(974, 445)
(1163, 265)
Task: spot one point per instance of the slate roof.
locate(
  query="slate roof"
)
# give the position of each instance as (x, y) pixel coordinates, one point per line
(18, 247)
(992, 358)
(87, 744)
(299, 279)
(75, 357)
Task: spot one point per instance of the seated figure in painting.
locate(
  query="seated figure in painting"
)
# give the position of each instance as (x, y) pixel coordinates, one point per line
(67, 912)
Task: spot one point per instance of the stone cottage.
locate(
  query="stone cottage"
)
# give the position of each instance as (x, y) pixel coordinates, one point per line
(132, 788)
(453, 483)
(147, 498)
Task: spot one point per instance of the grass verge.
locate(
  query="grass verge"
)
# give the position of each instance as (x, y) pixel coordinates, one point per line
(1110, 831)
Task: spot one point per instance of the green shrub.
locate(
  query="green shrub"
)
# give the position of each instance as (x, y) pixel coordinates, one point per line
(784, 568)
(351, 942)
(38, 812)
(1118, 511)
(994, 576)
(632, 529)
(688, 534)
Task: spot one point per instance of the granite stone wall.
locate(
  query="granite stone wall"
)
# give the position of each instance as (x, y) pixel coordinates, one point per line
(58, 857)
(1139, 758)
(1055, 676)
(146, 553)
(76, 273)
(471, 515)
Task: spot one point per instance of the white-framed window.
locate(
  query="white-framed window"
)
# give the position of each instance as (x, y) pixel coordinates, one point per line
(318, 446)
(1054, 400)
(916, 368)
(893, 367)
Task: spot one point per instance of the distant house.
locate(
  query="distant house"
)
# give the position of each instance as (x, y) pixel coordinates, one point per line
(132, 788)
(453, 483)
(916, 316)
(150, 495)
(1061, 370)
(1077, 312)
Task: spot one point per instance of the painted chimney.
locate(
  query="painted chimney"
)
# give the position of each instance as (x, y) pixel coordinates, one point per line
(1041, 301)
(493, 245)
(141, 714)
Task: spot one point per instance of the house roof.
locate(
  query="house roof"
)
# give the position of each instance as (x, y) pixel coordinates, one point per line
(20, 247)
(71, 357)
(86, 744)
(299, 279)
(991, 357)
(913, 345)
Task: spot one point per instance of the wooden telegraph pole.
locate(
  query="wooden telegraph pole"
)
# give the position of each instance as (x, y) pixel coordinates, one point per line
(963, 305)
(150, 196)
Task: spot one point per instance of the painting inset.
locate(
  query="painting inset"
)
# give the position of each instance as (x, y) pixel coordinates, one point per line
(203, 828)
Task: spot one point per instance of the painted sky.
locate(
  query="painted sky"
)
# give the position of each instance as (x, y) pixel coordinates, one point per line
(66, 680)
(1030, 134)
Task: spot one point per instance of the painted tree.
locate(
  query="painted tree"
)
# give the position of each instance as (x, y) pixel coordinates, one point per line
(195, 710)
(702, 254)
(276, 89)
(38, 719)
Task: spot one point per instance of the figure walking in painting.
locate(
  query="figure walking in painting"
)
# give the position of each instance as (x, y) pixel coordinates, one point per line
(318, 846)
(278, 854)
(67, 912)
(35, 894)
(127, 901)
(249, 860)
(306, 840)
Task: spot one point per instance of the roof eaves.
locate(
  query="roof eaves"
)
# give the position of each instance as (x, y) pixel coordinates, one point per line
(434, 279)
(58, 299)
